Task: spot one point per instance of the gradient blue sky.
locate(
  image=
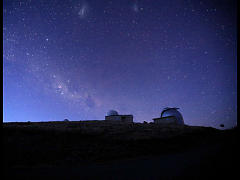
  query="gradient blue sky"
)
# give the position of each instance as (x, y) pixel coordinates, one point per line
(77, 59)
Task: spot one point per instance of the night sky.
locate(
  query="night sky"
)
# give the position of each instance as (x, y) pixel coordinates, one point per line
(77, 59)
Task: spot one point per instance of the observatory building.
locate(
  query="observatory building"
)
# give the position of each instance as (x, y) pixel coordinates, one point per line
(170, 116)
(113, 116)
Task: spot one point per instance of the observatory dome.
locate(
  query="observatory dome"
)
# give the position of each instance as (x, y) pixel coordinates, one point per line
(112, 113)
(173, 112)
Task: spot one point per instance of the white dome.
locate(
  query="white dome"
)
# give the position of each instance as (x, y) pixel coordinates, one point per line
(173, 112)
(112, 113)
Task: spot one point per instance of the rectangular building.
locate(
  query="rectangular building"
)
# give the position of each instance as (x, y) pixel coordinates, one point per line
(120, 118)
(165, 120)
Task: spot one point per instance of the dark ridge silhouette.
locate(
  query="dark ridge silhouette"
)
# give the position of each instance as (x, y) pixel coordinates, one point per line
(100, 150)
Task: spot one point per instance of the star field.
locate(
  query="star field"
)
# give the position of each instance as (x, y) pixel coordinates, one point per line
(77, 59)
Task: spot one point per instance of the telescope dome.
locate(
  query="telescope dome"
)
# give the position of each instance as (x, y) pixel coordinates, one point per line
(112, 113)
(173, 112)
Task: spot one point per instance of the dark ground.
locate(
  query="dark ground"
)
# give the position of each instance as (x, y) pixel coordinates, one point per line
(99, 150)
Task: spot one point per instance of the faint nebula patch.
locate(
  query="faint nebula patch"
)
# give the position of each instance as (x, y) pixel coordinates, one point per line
(82, 9)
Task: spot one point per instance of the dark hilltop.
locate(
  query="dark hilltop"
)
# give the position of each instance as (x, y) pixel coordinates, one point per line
(104, 150)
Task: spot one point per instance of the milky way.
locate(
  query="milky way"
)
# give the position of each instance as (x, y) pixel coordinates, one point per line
(78, 59)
